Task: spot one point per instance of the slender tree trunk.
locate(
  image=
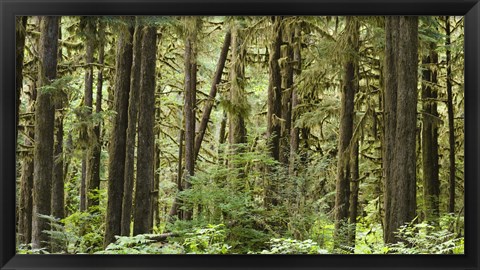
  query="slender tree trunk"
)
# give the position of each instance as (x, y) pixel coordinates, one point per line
(451, 126)
(146, 137)
(431, 181)
(44, 132)
(213, 92)
(20, 33)
(175, 211)
(355, 187)
(116, 163)
(94, 180)
(190, 101)
(132, 129)
(347, 98)
(287, 87)
(402, 181)
(294, 132)
(58, 190)
(26, 180)
(88, 103)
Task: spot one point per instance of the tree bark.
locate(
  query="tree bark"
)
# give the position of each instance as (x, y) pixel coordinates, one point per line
(116, 163)
(26, 180)
(274, 104)
(132, 129)
(287, 89)
(88, 103)
(274, 90)
(294, 132)
(431, 181)
(146, 138)
(401, 185)
(451, 124)
(213, 92)
(94, 179)
(347, 101)
(20, 33)
(190, 101)
(44, 132)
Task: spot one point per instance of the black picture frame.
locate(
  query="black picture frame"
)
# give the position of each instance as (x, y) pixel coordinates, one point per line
(11, 8)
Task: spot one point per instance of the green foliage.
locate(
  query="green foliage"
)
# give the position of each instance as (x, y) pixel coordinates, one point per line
(140, 244)
(423, 238)
(292, 246)
(209, 240)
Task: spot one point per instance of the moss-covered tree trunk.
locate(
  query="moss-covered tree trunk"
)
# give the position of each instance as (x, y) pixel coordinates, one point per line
(347, 98)
(274, 104)
(20, 33)
(44, 131)
(146, 138)
(116, 162)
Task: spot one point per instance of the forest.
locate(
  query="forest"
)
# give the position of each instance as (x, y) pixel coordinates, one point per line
(240, 135)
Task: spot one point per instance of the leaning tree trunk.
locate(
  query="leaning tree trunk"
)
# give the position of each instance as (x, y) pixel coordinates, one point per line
(347, 98)
(132, 129)
(44, 129)
(146, 138)
(116, 162)
(431, 181)
(401, 58)
(213, 92)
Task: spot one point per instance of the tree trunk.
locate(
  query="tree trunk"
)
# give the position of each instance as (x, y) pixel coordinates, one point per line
(451, 126)
(431, 181)
(355, 187)
(294, 132)
(190, 101)
(146, 138)
(274, 104)
(44, 129)
(400, 130)
(132, 129)
(116, 163)
(26, 180)
(347, 98)
(239, 105)
(287, 87)
(274, 90)
(88, 103)
(213, 92)
(20, 33)
(94, 180)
